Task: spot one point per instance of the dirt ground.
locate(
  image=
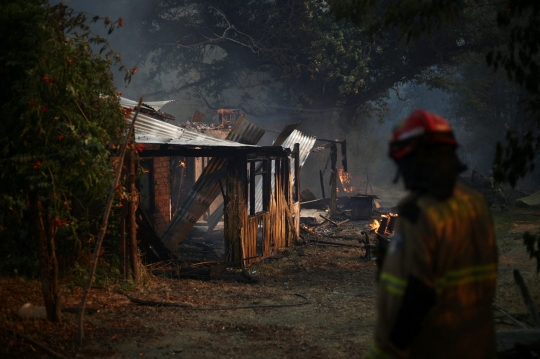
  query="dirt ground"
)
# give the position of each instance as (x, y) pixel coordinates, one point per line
(332, 289)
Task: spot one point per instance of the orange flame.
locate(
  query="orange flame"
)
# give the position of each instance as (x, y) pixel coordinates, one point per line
(345, 178)
(375, 225)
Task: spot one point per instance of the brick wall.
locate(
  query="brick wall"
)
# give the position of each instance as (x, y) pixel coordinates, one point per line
(162, 193)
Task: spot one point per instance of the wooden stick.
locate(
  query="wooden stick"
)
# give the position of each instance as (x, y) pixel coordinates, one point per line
(103, 228)
(155, 304)
(339, 244)
(47, 350)
(329, 220)
(514, 320)
(527, 298)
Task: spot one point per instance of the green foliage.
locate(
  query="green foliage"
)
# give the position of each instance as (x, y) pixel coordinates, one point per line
(520, 59)
(412, 18)
(515, 159)
(60, 112)
(484, 105)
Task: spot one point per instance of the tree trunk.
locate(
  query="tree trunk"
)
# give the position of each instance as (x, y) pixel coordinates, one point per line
(132, 228)
(47, 258)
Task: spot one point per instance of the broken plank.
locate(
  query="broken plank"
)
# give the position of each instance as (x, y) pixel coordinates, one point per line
(339, 244)
(514, 320)
(329, 220)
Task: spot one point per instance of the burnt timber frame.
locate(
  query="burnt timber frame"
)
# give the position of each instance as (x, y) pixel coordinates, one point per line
(250, 236)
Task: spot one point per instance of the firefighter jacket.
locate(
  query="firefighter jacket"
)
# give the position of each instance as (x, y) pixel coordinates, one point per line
(437, 283)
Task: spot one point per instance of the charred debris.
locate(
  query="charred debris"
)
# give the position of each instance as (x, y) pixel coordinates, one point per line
(210, 199)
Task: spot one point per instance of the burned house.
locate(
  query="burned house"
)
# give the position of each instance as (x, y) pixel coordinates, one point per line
(259, 185)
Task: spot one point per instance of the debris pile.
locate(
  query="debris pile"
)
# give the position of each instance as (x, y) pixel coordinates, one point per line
(359, 221)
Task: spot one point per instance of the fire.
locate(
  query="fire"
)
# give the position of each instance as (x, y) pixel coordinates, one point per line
(345, 179)
(182, 164)
(375, 225)
(307, 229)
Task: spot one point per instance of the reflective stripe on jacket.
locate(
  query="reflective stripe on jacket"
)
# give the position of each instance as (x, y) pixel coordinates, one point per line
(449, 247)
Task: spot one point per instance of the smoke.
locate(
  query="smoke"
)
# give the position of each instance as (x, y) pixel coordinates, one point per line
(267, 104)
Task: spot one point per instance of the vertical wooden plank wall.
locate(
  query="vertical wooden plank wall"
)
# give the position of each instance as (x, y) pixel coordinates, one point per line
(277, 232)
(235, 212)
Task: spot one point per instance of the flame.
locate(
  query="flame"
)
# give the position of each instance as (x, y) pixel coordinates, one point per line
(307, 229)
(182, 164)
(345, 178)
(375, 225)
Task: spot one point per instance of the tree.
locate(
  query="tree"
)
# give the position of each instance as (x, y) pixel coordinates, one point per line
(60, 114)
(484, 105)
(296, 49)
(518, 56)
(519, 25)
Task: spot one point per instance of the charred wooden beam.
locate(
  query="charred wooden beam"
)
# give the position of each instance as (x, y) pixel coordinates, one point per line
(329, 220)
(296, 172)
(235, 214)
(322, 183)
(267, 184)
(344, 155)
(333, 178)
(217, 151)
(252, 207)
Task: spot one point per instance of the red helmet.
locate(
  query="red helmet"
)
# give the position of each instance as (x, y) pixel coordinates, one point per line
(420, 129)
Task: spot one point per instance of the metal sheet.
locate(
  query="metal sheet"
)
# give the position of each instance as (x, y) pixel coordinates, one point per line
(155, 105)
(285, 132)
(151, 130)
(306, 144)
(207, 187)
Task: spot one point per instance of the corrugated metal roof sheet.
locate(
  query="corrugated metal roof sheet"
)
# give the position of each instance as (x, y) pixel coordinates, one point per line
(245, 132)
(285, 132)
(207, 187)
(155, 105)
(151, 130)
(306, 144)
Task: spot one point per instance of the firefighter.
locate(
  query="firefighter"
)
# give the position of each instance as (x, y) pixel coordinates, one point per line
(437, 280)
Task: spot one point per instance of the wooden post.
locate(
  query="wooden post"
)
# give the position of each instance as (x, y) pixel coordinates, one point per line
(123, 248)
(252, 204)
(132, 228)
(296, 172)
(235, 213)
(277, 175)
(287, 179)
(333, 179)
(322, 183)
(267, 183)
